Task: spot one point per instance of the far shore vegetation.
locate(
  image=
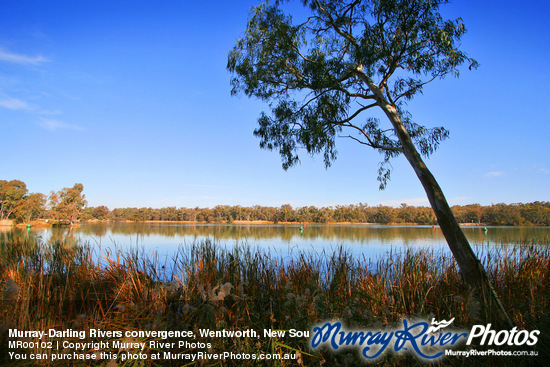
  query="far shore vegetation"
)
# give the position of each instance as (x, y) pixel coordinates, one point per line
(68, 206)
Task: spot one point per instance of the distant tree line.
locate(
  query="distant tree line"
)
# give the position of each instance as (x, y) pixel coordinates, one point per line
(537, 213)
(68, 206)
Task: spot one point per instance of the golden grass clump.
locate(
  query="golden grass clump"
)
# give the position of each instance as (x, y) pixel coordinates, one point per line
(209, 286)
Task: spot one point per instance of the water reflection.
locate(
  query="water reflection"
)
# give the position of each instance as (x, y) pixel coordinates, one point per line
(362, 240)
(337, 233)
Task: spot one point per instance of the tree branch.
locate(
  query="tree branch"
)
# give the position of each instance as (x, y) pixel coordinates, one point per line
(347, 36)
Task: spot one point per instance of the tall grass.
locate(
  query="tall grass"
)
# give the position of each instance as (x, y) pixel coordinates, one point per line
(208, 286)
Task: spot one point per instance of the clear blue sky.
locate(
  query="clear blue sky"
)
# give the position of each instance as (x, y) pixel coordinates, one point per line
(132, 99)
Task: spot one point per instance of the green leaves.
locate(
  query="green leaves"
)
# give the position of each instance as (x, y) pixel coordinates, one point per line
(310, 126)
(16, 202)
(305, 71)
(68, 203)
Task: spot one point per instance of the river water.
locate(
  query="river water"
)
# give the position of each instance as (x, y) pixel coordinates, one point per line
(368, 241)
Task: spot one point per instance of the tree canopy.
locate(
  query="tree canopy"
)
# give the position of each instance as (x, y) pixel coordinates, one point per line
(312, 73)
(68, 203)
(16, 202)
(12, 196)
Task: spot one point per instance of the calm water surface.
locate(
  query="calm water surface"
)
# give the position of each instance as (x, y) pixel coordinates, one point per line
(370, 241)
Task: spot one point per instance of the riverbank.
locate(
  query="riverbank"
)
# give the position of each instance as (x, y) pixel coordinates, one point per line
(267, 222)
(207, 286)
(41, 223)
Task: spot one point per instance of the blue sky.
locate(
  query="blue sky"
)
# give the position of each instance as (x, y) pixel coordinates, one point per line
(132, 99)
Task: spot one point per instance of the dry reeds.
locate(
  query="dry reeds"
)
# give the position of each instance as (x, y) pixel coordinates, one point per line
(208, 286)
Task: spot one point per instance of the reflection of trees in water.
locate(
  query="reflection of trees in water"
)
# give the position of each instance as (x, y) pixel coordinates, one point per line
(61, 241)
(17, 234)
(66, 235)
(335, 234)
(63, 235)
(331, 233)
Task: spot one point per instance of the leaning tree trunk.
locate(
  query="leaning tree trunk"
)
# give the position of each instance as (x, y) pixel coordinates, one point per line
(471, 268)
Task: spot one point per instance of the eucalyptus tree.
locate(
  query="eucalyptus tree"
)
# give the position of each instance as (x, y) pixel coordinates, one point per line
(12, 197)
(322, 77)
(67, 204)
